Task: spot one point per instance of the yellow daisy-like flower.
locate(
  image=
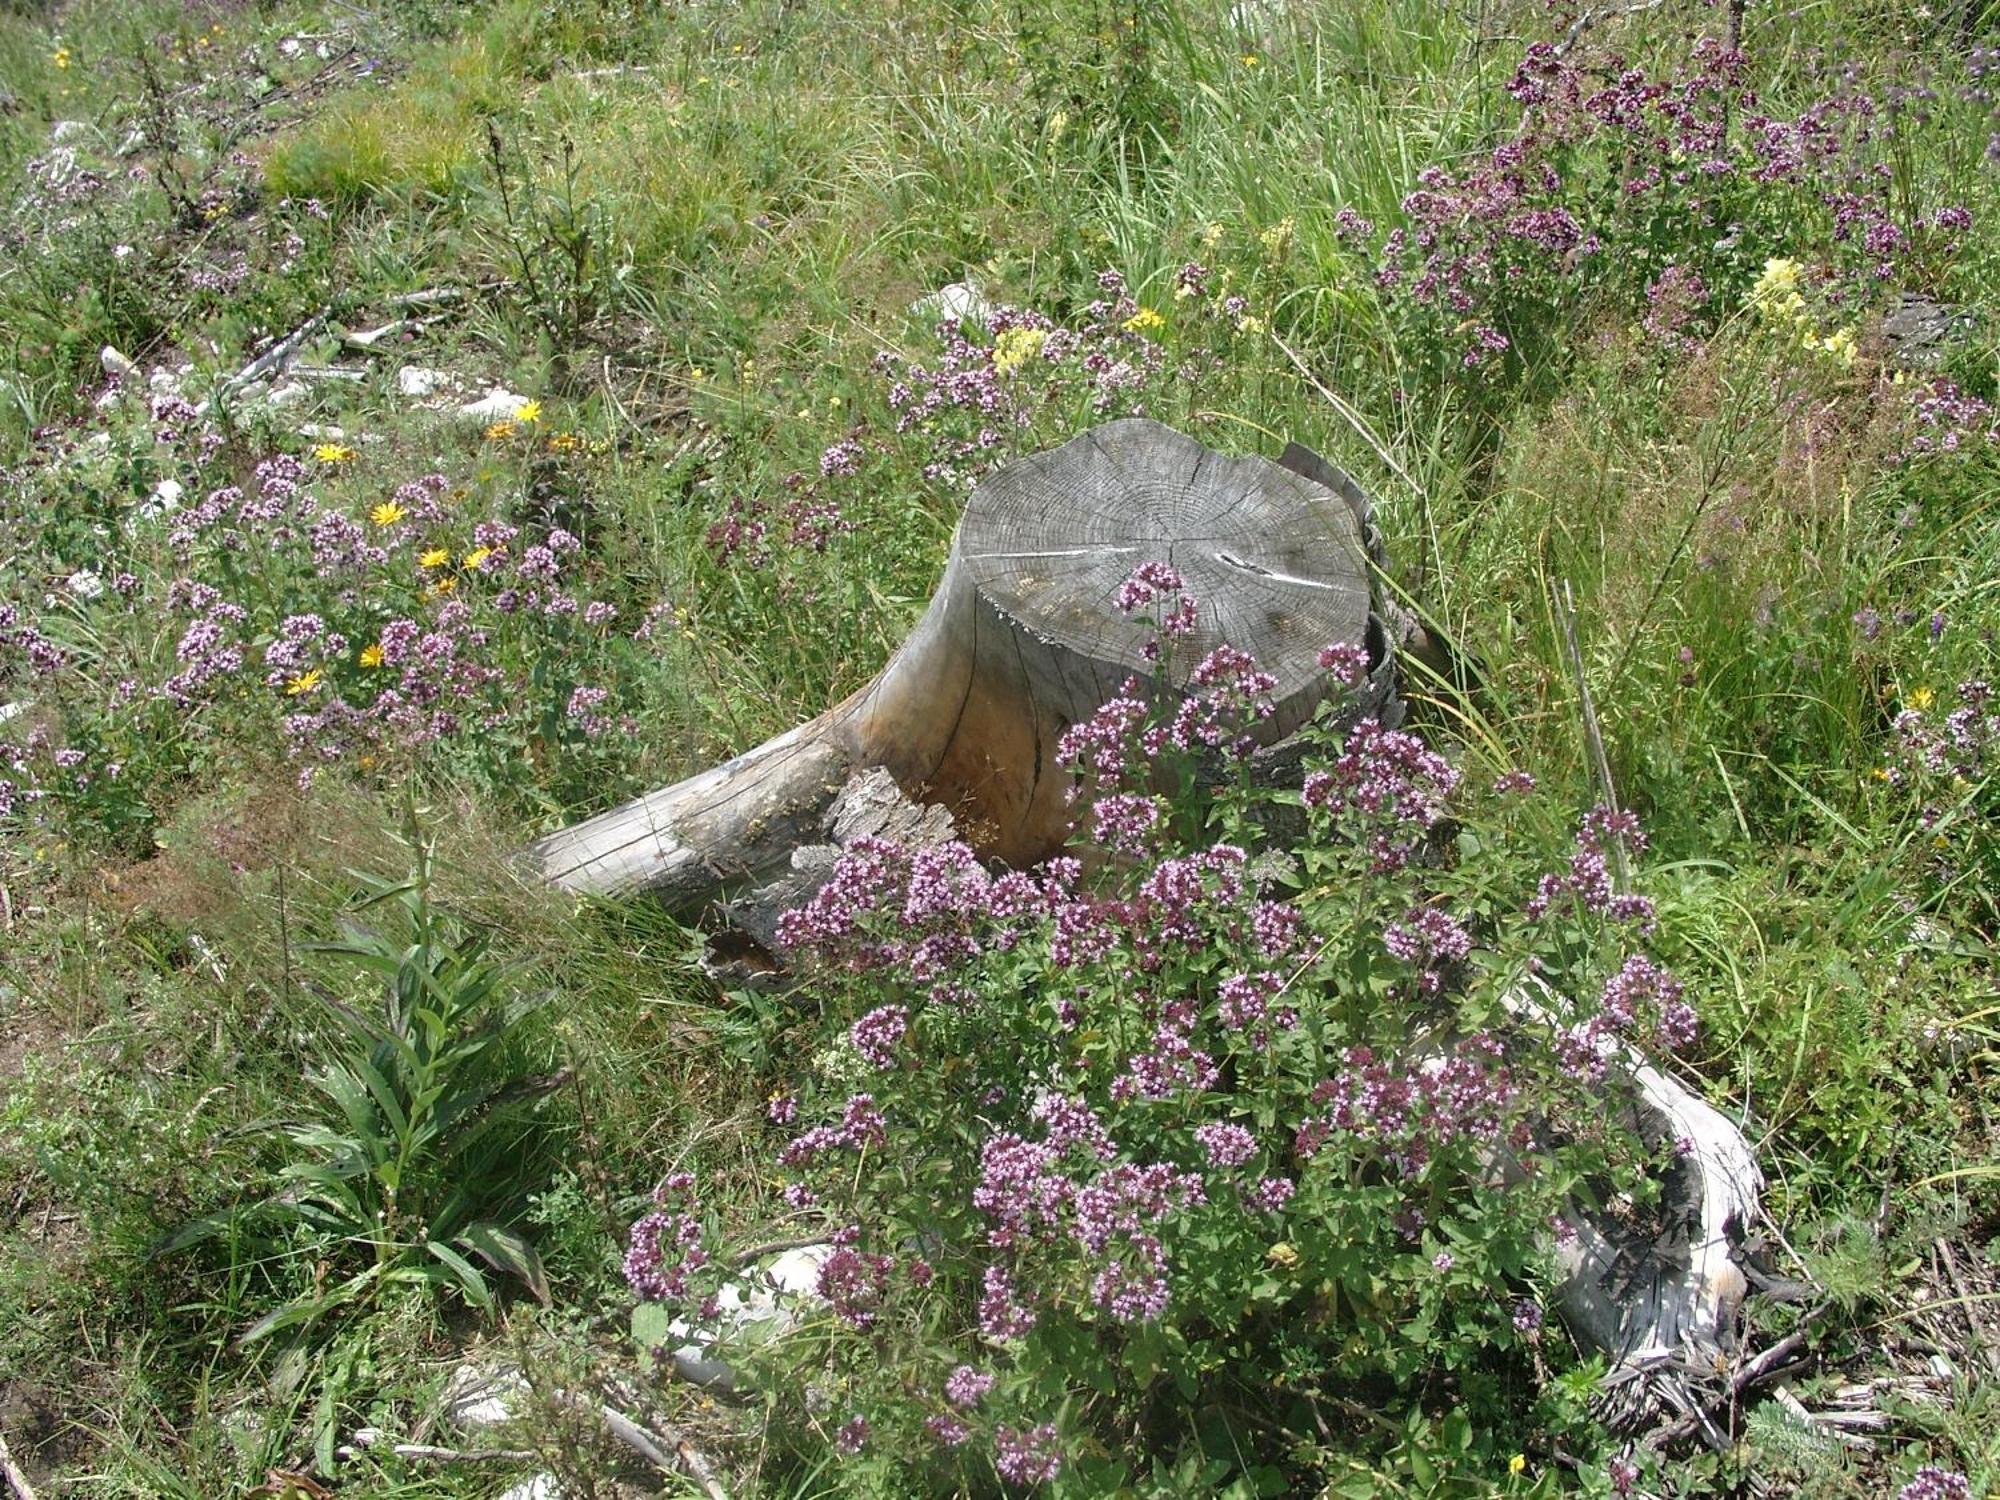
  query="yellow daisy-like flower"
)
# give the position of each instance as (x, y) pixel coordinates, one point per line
(333, 453)
(437, 557)
(501, 430)
(528, 411)
(563, 442)
(371, 656)
(474, 559)
(1145, 320)
(388, 513)
(1249, 60)
(305, 682)
(444, 585)
(1518, 1464)
(61, 58)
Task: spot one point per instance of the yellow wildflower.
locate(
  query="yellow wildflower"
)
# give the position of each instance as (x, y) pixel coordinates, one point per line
(444, 586)
(1780, 275)
(61, 58)
(1058, 123)
(1278, 238)
(1211, 236)
(501, 430)
(1880, 773)
(436, 557)
(1144, 321)
(1248, 59)
(528, 411)
(1249, 324)
(474, 559)
(388, 513)
(1922, 698)
(1015, 347)
(1518, 1464)
(371, 656)
(1840, 345)
(563, 442)
(333, 453)
(305, 682)
(1282, 1255)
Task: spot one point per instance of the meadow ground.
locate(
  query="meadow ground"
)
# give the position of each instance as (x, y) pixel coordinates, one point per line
(1682, 308)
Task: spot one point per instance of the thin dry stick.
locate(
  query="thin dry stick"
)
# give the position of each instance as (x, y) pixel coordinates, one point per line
(1979, 1344)
(16, 1480)
(1565, 604)
(647, 1444)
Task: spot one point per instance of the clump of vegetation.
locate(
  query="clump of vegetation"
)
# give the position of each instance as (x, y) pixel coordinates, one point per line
(504, 409)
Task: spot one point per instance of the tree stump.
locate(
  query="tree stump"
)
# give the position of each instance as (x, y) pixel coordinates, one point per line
(1021, 640)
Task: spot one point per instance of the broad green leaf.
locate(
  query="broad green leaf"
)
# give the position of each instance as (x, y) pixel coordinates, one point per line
(507, 1250)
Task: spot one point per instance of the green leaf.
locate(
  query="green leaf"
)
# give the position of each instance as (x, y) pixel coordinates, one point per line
(469, 1279)
(508, 1250)
(652, 1325)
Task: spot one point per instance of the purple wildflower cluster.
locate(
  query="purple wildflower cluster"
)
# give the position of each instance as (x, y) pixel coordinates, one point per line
(1956, 743)
(1695, 158)
(1414, 1111)
(1641, 1001)
(1429, 939)
(665, 1252)
(400, 646)
(964, 402)
(808, 518)
(1944, 420)
(1934, 1483)
(1587, 884)
(1386, 789)
(1030, 1457)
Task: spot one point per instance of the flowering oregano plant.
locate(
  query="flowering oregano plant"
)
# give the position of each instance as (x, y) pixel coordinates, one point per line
(1176, 1124)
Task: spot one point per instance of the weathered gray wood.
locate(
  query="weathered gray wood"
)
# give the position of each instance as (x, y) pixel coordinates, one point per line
(1663, 1304)
(1022, 639)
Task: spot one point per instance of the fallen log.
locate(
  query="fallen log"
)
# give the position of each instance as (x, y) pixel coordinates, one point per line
(1021, 640)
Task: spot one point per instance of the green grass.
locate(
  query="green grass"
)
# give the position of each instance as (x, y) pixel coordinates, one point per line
(692, 228)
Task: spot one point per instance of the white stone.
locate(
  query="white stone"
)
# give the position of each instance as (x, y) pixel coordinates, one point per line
(763, 1309)
(62, 132)
(322, 432)
(416, 382)
(476, 1399)
(163, 501)
(115, 364)
(498, 405)
(291, 393)
(961, 300)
